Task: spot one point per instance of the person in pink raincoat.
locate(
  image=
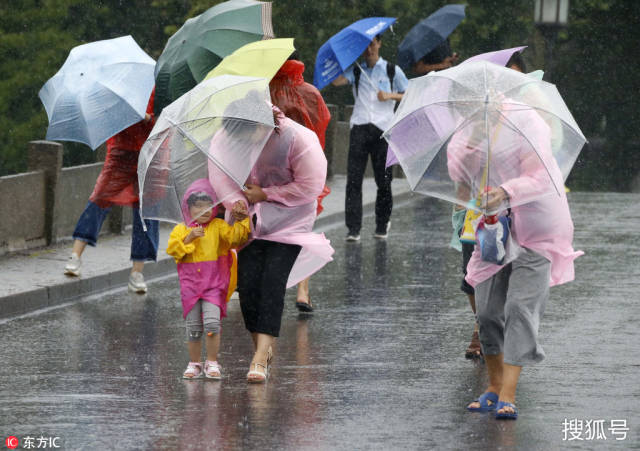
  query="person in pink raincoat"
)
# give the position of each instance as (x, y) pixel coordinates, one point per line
(303, 103)
(202, 248)
(511, 298)
(281, 194)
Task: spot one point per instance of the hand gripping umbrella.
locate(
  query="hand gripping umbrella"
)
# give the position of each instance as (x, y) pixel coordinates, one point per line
(102, 88)
(203, 41)
(460, 131)
(232, 111)
(345, 47)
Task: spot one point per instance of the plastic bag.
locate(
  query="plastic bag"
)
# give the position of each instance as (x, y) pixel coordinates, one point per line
(492, 239)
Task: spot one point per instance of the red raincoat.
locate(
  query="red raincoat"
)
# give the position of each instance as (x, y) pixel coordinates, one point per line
(118, 181)
(301, 102)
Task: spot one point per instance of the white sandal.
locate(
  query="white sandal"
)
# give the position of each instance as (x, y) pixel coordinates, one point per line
(212, 370)
(257, 376)
(193, 371)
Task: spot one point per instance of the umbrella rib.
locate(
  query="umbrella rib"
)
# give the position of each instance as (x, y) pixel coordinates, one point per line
(513, 126)
(548, 112)
(86, 126)
(444, 102)
(123, 98)
(187, 135)
(439, 102)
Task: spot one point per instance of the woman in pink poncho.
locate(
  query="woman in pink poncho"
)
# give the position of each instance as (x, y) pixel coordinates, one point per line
(303, 103)
(510, 298)
(281, 194)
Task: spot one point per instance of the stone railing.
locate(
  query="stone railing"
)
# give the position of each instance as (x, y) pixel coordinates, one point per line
(41, 207)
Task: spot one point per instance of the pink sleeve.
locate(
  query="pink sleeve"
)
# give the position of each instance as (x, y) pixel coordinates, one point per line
(226, 189)
(537, 169)
(309, 167)
(455, 156)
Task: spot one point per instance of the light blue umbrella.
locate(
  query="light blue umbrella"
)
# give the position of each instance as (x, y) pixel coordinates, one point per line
(102, 88)
(345, 47)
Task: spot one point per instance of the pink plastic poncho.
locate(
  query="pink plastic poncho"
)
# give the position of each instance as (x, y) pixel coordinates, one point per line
(543, 224)
(301, 102)
(291, 171)
(206, 266)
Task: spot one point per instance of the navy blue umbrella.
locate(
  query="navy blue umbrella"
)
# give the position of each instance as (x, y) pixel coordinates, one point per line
(428, 34)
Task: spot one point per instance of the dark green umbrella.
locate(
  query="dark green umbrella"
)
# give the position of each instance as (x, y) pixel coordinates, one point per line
(203, 41)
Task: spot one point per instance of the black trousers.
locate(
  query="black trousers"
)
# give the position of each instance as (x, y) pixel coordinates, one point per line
(366, 140)
(263, 270)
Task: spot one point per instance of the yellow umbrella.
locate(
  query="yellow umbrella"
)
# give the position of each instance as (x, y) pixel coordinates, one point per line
(257, 59)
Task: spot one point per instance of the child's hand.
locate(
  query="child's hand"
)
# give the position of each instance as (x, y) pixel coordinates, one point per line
(239, 211)
(194, 234)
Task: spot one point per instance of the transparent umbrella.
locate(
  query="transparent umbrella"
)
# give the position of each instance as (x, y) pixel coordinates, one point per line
(226, 120)
(461, 131)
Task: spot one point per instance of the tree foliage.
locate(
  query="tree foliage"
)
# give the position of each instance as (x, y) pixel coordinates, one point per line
(594, 58)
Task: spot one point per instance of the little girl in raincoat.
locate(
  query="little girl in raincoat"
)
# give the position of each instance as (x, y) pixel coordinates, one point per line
(202, 248)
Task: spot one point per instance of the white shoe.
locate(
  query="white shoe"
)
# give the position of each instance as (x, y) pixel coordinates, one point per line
(352, 237)
(212, 370)
(193, 371)
(72, 268)
(380, 234)
(136, 282)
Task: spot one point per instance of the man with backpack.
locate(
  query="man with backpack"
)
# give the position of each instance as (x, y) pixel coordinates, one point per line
(377, 86)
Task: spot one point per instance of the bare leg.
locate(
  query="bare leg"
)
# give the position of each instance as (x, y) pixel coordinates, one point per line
(303, 291)
(263, 343)
(78, 247)
(254, 338)
(137, 266)
(474, 350)
(195, 350)
(495, 368)
(213, 347)
(510, 376)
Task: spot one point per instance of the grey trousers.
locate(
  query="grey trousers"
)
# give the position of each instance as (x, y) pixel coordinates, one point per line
(204, 316)
(509, 307)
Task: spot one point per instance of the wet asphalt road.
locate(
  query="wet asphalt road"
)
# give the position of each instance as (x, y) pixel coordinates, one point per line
(380, 365)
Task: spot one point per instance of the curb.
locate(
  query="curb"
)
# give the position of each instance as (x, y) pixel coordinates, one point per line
(76, 289)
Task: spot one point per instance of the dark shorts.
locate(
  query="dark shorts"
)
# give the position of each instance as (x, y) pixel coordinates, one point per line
(467, 250)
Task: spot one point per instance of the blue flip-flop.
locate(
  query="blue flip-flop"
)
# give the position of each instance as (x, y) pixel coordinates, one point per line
(506, 415)
(487, 402)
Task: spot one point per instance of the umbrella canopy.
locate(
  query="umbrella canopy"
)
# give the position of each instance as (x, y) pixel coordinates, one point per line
(102, 88)
(428, 34)
(226, 120)
(345, 47)
(499, 57)
(463, 130)
(203, 41)
(256, 59)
